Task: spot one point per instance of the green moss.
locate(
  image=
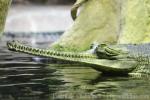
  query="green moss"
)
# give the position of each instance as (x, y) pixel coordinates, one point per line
(4, 4)
(102, 21)
(97, 22)
(135, 26)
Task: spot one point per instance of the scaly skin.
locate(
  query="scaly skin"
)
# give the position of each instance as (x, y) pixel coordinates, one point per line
(110, 59)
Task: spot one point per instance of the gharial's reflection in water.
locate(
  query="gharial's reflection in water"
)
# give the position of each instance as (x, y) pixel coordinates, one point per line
(26, 77)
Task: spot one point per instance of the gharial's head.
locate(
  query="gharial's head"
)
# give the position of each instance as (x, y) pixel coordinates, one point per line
(104, 51)
(115, 59)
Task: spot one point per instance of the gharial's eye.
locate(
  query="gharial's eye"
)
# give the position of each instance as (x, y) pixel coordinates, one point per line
(91, 46)
(102, 45)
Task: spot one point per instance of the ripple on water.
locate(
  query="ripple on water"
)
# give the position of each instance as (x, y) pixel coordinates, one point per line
(26, 77)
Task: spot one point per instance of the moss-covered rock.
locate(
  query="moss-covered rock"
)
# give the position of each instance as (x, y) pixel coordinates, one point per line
(135, 22)
(4, 5)
(98, 21)
(102, 21)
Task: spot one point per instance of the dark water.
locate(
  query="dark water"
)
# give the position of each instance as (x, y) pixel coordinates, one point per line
(26, 77)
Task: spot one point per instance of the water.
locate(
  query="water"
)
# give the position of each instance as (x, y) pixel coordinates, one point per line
(26, 77)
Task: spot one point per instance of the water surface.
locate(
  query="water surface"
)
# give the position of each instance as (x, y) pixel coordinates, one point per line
(26, 77)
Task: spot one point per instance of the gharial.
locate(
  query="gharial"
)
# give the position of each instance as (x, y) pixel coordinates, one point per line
(104, 22)
(110, 59)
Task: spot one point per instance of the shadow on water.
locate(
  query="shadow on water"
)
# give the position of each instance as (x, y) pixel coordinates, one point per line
(26, 77)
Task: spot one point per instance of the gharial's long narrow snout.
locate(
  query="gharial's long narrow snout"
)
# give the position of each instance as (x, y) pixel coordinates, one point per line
(116, 66)
(16, 46)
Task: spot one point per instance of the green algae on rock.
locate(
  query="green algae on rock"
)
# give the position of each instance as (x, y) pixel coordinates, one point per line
(107, 21)
(135, 22)
(98, 21)
(4, 5)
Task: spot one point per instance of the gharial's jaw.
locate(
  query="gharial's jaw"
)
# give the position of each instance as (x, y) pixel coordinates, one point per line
(16, 46)
(114, 67)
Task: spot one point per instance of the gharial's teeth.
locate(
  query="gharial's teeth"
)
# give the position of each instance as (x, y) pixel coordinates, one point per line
(36, 50)
(68, 55)
(58, 54)
(30, 49)
(48, 53)
(44, 51)
(26, 48)
(23, 48)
